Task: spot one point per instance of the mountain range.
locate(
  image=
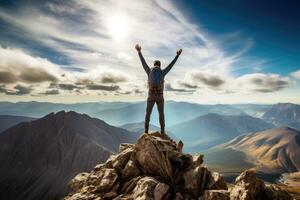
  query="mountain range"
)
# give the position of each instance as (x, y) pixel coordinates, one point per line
(273, 151)
(211, 129)
(284, 114)
(39, 157)
(119, 113)
(7, 121)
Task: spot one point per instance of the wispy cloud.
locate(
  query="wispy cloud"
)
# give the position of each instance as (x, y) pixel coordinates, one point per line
(91, 35)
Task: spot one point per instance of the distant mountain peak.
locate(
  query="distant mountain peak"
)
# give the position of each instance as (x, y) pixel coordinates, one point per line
(272, 151)
(284, 114)
(51, 150)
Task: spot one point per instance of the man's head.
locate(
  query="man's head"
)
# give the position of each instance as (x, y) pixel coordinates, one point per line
(156, 63)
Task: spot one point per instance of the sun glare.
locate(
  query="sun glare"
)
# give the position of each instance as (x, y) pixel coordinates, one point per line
(118, 26)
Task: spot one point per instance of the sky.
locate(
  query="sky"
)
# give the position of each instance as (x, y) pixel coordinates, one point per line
(241, 51)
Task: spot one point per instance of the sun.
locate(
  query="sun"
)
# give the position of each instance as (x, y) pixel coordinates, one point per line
(118, 26)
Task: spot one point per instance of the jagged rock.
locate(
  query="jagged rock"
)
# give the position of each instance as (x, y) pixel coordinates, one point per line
(77, 182)
(156, 169)
(215, 195)
(110, 195)
(216, 182)
(144, 189)
(103, 180)
(247, 187)
(195, 180)
(130, 185)
(153, 169)
(130, 171)
(180, 146)
(124, 146)
(120, 160)
(275, 193)
(151, 152)
(160, 190)
(197, 160)
(178, 196)
(81, 196)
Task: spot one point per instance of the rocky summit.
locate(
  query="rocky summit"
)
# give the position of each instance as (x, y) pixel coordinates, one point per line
(155, 168)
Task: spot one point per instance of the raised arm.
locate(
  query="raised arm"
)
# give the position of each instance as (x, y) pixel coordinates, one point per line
(145, 66)
(169, 67)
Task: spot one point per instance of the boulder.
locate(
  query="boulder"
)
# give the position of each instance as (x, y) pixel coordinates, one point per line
(160, 190)
(197, 160)
(104, 180)
(215, 195)
(129, 185)
(77, 182)
(81, 196)
(216, 182)
(151, 152)
(276, 193)
(178, 196)
(130, 171)
(120, 160)
(107, 181)
(153, 168)
(124, 146)
(247, 187)
(195, 180)
(144, 189)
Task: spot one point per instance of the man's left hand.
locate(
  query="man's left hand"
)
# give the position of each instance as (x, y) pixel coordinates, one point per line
(178, 52)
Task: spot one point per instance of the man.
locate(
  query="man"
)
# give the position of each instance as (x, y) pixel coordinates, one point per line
(155, 87)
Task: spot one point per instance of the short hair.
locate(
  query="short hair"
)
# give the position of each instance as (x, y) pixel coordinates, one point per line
(156, 63)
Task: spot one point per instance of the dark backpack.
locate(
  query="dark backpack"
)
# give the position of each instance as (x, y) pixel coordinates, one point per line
(155, 81)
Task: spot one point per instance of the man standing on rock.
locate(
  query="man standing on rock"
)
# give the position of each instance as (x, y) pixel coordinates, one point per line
(156, 77)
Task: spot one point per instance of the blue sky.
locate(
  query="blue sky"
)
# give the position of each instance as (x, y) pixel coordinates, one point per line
(274, 27)
(234, 51)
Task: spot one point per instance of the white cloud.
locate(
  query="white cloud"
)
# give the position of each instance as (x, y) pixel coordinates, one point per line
(87, 31)
(214, 81)
(296, 74)
(83, 32)
(18, 66)
(264, 83)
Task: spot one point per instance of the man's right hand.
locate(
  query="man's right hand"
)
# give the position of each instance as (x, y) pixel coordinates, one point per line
(138, 48)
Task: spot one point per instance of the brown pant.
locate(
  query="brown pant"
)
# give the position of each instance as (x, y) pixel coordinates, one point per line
(159, 100)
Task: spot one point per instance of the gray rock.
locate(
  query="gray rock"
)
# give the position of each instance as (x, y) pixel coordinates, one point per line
(215, 195)
(120, 160)
(195, 180)
(216, 182)
(129, 185)
(130, 171)
(153, 169)
(178, 196)
(275, 193)
(144, 189)
(77, 182)
(160, 190)
(81, 196)
(151, 152)
(197, 160)
(124, 146)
